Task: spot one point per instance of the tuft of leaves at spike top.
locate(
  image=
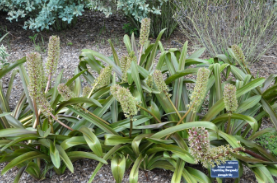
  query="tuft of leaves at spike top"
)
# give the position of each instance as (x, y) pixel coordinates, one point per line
(229, 98)
(53, 55)
(200, 88)
(36, 74)
(144, 31)
(238, 54)
(65, 92)
(104, 77)
(159, 81)
(126, 99)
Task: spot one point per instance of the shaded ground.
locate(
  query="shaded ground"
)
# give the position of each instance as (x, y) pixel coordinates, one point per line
(92, 32)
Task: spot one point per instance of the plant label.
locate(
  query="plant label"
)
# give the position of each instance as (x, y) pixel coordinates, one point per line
(230, 169)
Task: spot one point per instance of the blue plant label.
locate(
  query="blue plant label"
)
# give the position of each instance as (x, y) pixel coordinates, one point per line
(228, 170)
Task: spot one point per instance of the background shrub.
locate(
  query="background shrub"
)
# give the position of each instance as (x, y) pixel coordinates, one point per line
(40, 14)
(217, 24)
(160, 21)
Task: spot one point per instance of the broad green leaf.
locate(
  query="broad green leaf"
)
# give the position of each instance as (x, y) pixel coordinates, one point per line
(23, 158)
(106, 157)
(104, 59)
(127, 42)
(177, 175)
(79, 100)
(12, 66)
(181, 127)
(19, 174)
(20, 139)
(14, 122)
(136, 142)
(92, 141)
(15, 132)
(5, 114)
(197, 53)
(249, 103)
(133, 177)
(65, 158)
(115, 57)
(118, 165)
(106, 128)
(181, 153)
(250, 120)
(179, 74)
(261, 132)
(54, 154)
(73, 141)
(198, 175)
(74, 155)
(112, 140)
(150, 60)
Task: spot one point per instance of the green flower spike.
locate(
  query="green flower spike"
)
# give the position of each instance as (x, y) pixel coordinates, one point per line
(200, 88)
(53, 55)
(127, 101)
(65, 92)
(144, 30)
(238, 54)
(104, 78)
(125, 66)
(36, 74)
(229, 97)
(44, 105)
(159, 81)
(86, 91)
(199, 146)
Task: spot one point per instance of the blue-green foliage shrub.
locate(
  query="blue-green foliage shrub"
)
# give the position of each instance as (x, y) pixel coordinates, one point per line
(40, 14)
(138, 9)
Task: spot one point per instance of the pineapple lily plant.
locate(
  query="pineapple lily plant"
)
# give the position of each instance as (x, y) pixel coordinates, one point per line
(139, 113)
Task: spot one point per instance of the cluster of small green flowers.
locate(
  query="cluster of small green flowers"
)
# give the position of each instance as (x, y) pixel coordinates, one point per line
(219, 155)
(144, 30)
(44, 105)
(199, 143)
(125, 66)
(159, 81)
(238, 53)
(36, 74)
(127, 101)
(149, 81)
(202, 152)
(229, 98)
(86, 91)
(200, 88)
(104, 77)
(37, 82)
(65, 92)
(53, 55)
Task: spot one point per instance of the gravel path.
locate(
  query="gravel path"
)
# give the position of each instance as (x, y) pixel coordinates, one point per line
(91, 32)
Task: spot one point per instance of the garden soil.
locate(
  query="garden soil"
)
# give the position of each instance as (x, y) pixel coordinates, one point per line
(92, 32)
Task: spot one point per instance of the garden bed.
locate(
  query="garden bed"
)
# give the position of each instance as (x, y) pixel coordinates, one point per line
(92, 33)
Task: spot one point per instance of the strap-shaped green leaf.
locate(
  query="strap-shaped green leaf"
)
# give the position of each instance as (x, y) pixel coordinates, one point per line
(118, 166)
(23, 158)
(92, 141)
